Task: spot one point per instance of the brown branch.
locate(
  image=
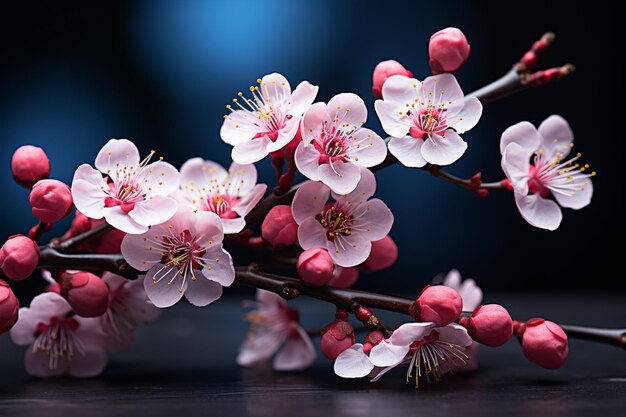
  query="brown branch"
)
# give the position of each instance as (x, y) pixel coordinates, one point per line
(68, 245)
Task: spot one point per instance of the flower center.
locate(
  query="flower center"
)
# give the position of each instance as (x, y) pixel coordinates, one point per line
(58, 340)
(336, 222)
(428, 120)
(220, 204)
(430, 355)
(550, 174)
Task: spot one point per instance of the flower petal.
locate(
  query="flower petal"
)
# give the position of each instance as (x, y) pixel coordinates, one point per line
(524, 134)
(366, 148)
(275, 89)
(409, 333)
(442, 89)
(218, 266)
(202, 291)
(91, 364)
(579, 199)
(557, 136)
(471, 294)
(375, 222)
(313, 122)
(155, 209)
(302, 98)
(166, 291)
(196, 172)
(538, 211)
(385, 354)
(349, 250)
(251, 199)
(307, 160)
(141, 252)
(239, 127)
(408, 151)
(468, 117)
(122, 221)
(364, 190)
(341, 177)
(251, 151)
(516, 166)
(347, 111)
(208, 229)
(393, 117)
(38, 364)
(296, 354)
(117, 151)
(443, 150)
(88, 191)
(455, 334)
(353, 363)
(400, 89)
(309, 200)
(259, 347)
(311, 234)
(241, 179)
(285, 135)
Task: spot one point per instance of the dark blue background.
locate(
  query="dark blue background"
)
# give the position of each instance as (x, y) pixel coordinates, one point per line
(75, 74)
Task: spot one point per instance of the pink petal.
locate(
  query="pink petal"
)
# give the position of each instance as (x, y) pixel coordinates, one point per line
(341, 177)
(275, 89)
(208, 229)
(268, 299)
(579, 199)
(259, 347)
(385, 354)
(232, 226)
(364, 190)
(349, 250)
(23, 331)
(159, 178)
(122, 221)
(400, 89)
(556, 137)
(538, 211)
(302, 98)
(452, 280)
(88, 191)
(251, 151)
(307, 160)
(38, 364)
(309, 200)
(443, 150)
(393, 117)
(218, 266)
(468, 117)
(353, 363)
(285, 135)
(238, 127)
(91, 364)
(442, 89)
(311, 234)
(455, 334)
(197, 173)
(155, 209)
(143, 251)
(114, 281)
(250, 200)
(367, 148)
(471, 294)
(162, 293)
(516, 166)
(408, 151)
(296, 354)
(524, 134)
(347, 111)
(241, 179)
(313, 122)
(202, 291)
(375, 222)
(116, 151)
(409, 333)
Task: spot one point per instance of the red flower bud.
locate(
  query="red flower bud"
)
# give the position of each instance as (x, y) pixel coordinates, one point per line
(490, 325)
(544, 343)
(19, 257)
(9, 307)
(448, 50)
(384, 253)
(337, 336)
(279, 227)
(439, 304)
(383, 71)
(29, 165)
(315, 266)
(344, 277)
(51, 200)
(87, 293)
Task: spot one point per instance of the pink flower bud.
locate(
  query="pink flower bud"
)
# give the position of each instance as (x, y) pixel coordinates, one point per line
(51, 200)
(384, 253)
(448, 50)
(315, 266)
(344, 277)
(9, 307)
(80, 224)
(337, 336)
(279, 227)
(544, 343)
(19, 257)
(490, 325)
(438, 304)
(372, 339)
(29, 165)
(383, 71)
(87, 293)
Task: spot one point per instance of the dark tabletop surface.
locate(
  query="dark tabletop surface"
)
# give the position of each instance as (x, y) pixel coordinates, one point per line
(183, 364)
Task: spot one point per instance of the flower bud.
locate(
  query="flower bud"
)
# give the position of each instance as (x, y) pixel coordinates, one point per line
(87, 293)
(315, 266)
(29, 165)
(448, 50)
(372, 339)
(544, 343)
(337, 336)
(383, 71)
(9, 307)
(19, 257)
(344, 277)
(384, 253)
(51, 200)
(439, 304)
(490, 325)
(279, 227)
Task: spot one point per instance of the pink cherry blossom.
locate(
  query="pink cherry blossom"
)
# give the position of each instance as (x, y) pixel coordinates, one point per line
(275, 331)
(129, 307)
(269, 120)
(425, 119)
(345, 227)
(229, 194)
(567, 181)
(471, 293)
(60, 342)
(183, 256)
(334, 145)
(135, 194)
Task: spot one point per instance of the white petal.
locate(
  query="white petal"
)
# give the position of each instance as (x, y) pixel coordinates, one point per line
(516, 166)
(155, 209)
(88, 193)
(239, 127)
(556, 137)
(364, 190)
(579, 199)
(285, 135)
(122, 221)
(349, 250)
(302, 98)
(452, 280)
(141, 251)
(408, 151)
(538, 211)
(347, 111)
(275, 89)
(375, 222)
(296, 354)
(259, 347)
(393, 117)
(400, 89)
(165, 292)
(442, 89)
(341, 177)
(219, 267)
(468, 117)
(89, 364)
(247, 203)
(313, 122)
(241, 179)
(455, 334)
(386, 354)
(196, 172)
(471, 294)
(353, 363)
(202, 291)
(307, 161)
(409, 333)
(251, 151)
(208, 229)
(116, 151)
(311, 234)
(443, 150)
(366, 148)
(309, 200)
(524, 134)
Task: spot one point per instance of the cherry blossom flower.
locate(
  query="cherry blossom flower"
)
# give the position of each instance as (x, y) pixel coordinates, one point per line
(135, 195)
(269, 120)
(334, 145)
(183, 256)
(229, 194)
(567, 181)
(431, 351)
(425, 119)
(61, 343)
(345, 227)
(275, 331)
(129, 307)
